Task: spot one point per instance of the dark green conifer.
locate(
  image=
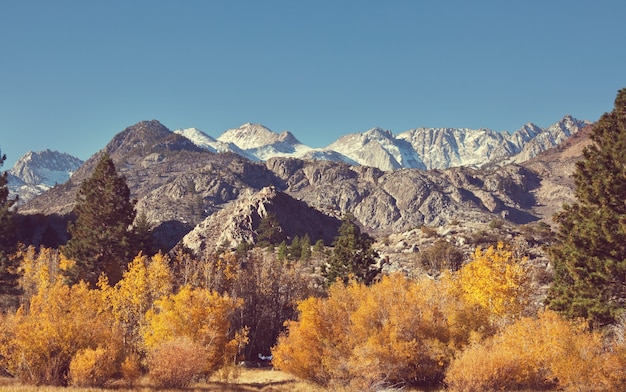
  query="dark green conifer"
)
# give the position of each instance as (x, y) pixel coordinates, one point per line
(101, 237)
(269, 231)
(589, 253)
(353, 256)
(8, 272)
(305, 245)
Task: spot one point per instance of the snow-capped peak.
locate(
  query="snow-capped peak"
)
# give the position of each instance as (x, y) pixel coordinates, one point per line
(249, 136)
(45, 167)
(36, 172)
(197, 137)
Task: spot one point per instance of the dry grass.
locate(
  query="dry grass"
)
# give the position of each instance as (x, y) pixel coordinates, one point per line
(250, 380)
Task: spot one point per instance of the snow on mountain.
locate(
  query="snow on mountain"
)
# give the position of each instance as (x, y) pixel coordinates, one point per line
(446, 147)
(547, 138)
(378, 148)
(259, 141)
(36, 172)
(250, 136)
(318, 154)
(422, 148)
(198, 138)
(207, 142)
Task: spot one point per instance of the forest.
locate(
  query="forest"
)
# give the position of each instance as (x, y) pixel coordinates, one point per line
(106, 307)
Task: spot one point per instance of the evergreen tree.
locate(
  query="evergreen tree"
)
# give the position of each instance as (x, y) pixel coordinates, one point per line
(305, 245)
(295, 249)
(352, 257)
(283, 251)
(142, 230)
(589, 253)
(101, 238)
(269, 231)
(8, 273)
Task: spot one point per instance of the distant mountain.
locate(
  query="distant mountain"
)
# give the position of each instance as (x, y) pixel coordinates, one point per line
(262, 143)
(420, 148)
(378, 148)
(203, 140)
(36, 172)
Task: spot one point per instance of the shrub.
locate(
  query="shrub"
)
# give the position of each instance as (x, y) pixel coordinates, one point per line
(540, 353)
(497, 281)
(175, 363)
(429, 231)
(92, 367)
(38, 343)
(131, 370)
(441, 255)
(396, 331)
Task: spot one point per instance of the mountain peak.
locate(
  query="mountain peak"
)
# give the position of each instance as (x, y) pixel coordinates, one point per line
(35, 172)
(249, 136)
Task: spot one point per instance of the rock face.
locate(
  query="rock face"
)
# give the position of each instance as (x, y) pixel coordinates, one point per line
(399, 200)
(555, 168)
(239, 221)
(179, 185)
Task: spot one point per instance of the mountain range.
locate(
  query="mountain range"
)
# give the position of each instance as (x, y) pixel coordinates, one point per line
(182, 179)
(420, 148)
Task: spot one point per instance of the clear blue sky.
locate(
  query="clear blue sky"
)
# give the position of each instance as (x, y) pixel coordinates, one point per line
(75, 73)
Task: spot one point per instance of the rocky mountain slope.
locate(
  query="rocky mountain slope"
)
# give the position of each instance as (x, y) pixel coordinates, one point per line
(179, 185)
(239, 221)
(36, 172)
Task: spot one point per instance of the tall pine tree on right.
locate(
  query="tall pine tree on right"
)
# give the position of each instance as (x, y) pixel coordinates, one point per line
(589, 254)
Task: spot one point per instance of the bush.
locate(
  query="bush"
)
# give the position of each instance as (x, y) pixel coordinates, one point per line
(540, 353)
(38, 343)
(393, 332)
(440, 256)
(131, 370)
(176, 363)
(92, 367)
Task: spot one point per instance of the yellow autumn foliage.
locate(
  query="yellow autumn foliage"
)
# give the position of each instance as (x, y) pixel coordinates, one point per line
(538, 353)
(40, 340)
(93, 367)
(145, 281)
(39, 269)
(496, 281)
(201, 315)
(394, 331)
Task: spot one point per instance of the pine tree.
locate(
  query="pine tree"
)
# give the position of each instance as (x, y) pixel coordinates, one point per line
(269, 231)
(353, 256)
(305, 245)
(589, 254)
(295, 249)
(101, 238)
(8, 274)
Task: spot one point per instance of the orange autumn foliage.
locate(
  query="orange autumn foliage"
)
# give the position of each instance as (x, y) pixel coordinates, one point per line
(200, 315)
(40, 340)
(546, 352)
(394, 331)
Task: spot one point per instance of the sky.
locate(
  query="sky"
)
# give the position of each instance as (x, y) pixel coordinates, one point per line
(75, 73)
